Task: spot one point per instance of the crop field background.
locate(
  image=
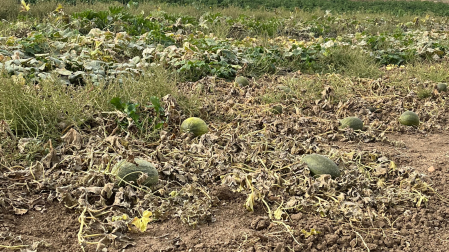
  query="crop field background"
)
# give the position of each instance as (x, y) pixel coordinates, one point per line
(260, 125)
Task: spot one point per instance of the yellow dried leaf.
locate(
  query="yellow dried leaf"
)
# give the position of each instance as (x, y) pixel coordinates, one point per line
(312, 232)
(392, 165)
(122, 217)
(249, 204)
(59, 8)
(278, 213)
(142, 223)
(24, 6)
(18, 79)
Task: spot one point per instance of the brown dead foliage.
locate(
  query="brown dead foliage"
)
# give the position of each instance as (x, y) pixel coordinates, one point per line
(249, 151)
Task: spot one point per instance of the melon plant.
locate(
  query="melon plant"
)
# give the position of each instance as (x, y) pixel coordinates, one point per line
(241, 81)
(127, 172)
(351, 122)
(319, 165)
(194, 125)
(409, 118)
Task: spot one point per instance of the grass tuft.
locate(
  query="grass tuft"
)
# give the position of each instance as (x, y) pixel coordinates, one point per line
(44, 110)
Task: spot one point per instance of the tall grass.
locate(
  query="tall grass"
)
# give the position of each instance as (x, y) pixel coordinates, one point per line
(43, 110)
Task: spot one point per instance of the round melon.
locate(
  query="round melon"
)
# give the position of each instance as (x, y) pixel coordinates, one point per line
(241, 81)
(277, 109)
(351, 122)
(130, 172)
(409, 118)
(194, 125)
(284, 88)
(372, 109)
(442, 87)
(271, 69)
(319, 165)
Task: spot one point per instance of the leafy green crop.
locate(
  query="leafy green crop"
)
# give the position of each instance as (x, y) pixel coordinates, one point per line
(131, 110)
(118, 19)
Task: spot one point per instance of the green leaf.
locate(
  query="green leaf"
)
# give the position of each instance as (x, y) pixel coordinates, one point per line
(116, 101)
(156, 104)
(159, 125)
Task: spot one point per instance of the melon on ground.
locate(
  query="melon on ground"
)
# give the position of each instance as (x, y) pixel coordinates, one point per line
(271, 69)
(409, 118)
(442, 87)
(241, 81)
(194, 125)
(319, 165)
(128, 172)
(277, 109)
(284, 88)
(351, 122)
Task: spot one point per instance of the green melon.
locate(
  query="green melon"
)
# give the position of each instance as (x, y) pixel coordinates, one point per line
(372, 109)
(195, 125)
(277, 109)
(130, 172)
(409, 118)
(319, 165)
(284, 88)
(241, 81)
(351, 122)
(271, 69)
(442, 87)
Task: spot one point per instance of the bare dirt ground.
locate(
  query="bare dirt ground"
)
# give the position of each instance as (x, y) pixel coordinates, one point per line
(55, 228)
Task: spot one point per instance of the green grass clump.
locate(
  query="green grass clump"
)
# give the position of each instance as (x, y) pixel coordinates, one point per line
(40, 110)
(350, 62)
(424, 93)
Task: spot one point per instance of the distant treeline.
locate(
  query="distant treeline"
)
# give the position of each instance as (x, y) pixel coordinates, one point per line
(373, 6)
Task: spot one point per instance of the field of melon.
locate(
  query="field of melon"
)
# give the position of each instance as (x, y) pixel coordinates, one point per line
(160, 127)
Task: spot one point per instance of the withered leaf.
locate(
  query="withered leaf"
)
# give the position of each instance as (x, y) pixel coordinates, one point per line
(142, 178)
(107, 190)
(72, 137)
(20, 211)
(51, 158)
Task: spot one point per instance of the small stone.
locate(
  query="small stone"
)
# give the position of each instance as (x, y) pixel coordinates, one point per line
(200, 245)
(388, 242)
(262, 224)
(331, 238)
(431, 169)
(297, 216)
(372, 246)
(279, 248)
(353, 243)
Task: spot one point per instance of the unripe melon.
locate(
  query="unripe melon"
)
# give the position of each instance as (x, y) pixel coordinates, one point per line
(319, 165)
(241, 81)
(351, 122)
(130, 172)
(277, 109)
(409, 118)
(442, 87)
(284, 88)
(271, 69)
(194, 125)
